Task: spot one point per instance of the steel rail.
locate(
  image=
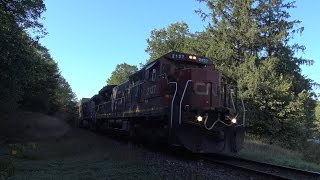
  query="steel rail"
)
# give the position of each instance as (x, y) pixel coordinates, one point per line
(263, 169)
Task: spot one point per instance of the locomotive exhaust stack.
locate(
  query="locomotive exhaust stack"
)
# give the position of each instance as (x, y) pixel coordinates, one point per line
(179, 98)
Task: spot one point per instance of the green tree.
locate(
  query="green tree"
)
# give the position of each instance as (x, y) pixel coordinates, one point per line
(26, 14)
(16, 47)
(251, 43)
(29, 77)
(317, 114)
(172, 38)
(15, 51)
(121, 73)
(65, 101)
(177, 37)
(45, 90)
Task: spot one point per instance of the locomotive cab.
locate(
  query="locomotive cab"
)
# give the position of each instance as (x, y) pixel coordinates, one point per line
(205, 115)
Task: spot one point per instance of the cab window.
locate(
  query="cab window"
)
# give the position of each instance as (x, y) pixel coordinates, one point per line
(153, 75)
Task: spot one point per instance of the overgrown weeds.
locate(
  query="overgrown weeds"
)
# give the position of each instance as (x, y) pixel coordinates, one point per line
(258, 149)
(24, 150)
(311, 152)
(7, 168)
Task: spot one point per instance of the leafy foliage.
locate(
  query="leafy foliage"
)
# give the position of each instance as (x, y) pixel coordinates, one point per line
(7, 168)
(26, 14)
(317, 115)
(29, 77)
(11, 50)
(176, 37)
(121, 73)
(251, 44)
(165, 40)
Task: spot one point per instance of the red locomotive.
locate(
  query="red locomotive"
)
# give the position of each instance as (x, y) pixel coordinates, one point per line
(179, 98)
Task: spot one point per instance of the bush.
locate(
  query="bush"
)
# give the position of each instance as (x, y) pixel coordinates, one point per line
(27, 150)
(6, 168)
(311, 152)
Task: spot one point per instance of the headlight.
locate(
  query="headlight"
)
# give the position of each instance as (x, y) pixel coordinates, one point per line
(199, 118)
(234, 120)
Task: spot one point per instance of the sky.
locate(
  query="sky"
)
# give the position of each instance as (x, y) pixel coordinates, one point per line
(88, 38)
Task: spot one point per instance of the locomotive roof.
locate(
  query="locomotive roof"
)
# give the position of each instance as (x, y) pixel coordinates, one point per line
(106, 88)
(175, 56)
(180, 56)
(84, 100)
(95, 97)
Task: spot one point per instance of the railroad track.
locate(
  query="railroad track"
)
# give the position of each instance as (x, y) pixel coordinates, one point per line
(263, 169)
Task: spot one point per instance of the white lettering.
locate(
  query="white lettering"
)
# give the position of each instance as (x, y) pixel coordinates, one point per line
(203, 60)
(151, 90)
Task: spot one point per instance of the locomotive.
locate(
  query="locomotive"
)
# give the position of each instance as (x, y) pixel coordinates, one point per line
(180, 99)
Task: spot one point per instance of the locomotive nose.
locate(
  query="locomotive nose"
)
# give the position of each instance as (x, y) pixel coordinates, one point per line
(204, 89)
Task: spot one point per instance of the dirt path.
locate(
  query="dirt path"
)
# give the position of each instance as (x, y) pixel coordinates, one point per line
(30, 126)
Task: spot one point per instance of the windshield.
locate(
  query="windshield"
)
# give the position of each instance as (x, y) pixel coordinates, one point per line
(187, 65)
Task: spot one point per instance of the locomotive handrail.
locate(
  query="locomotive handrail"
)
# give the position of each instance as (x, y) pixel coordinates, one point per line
(244, 112)
(139, 83)
(174, 97)
(182, 97)
(101, 104)
(209, 128)
(95, 114)
(231, 95)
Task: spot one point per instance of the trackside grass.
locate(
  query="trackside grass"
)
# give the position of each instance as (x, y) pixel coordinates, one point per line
(6, 168)
(82, 154)
(61, 161)
(257, 150)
